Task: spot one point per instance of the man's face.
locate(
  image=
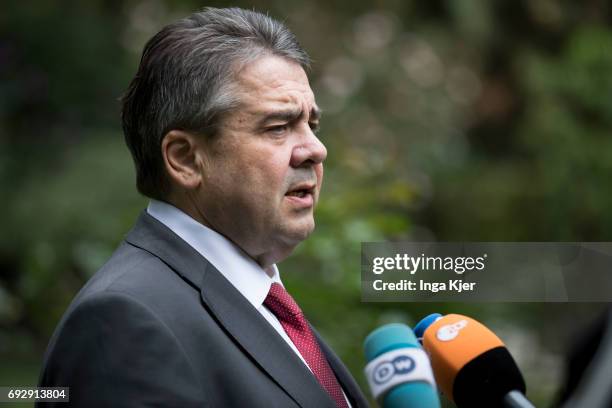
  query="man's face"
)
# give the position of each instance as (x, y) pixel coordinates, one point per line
(263, 172)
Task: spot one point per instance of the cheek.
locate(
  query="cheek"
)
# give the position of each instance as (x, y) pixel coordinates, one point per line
(278, 176)
(268, 179)
(261, 172)
(275, 171)
(318, 168)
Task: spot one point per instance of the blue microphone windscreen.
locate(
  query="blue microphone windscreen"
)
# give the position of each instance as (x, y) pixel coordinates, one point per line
(382, 343)
(388, 337)
(425, 322)
(415, 395)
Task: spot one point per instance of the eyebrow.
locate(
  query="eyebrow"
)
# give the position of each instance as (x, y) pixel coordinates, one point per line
(289, 115)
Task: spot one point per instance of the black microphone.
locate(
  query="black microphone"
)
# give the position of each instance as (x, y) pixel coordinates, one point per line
(471, 364)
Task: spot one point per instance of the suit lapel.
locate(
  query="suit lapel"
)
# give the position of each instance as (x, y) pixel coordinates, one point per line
(233, 311)
(262, 342)
(350, 387)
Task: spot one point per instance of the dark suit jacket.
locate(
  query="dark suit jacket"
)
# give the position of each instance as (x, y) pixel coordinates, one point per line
(159, 326)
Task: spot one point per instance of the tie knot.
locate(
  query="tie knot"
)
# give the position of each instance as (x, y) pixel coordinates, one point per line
(280, 302)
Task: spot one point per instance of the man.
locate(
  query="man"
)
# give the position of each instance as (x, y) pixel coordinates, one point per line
(190, 310)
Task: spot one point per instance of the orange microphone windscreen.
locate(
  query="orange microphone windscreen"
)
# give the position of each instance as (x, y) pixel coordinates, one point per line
(452, 342)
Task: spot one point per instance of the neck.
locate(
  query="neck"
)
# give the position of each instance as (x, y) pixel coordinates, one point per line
(265, 259)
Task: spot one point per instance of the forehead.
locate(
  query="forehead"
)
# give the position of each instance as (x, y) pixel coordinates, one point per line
(273, 82)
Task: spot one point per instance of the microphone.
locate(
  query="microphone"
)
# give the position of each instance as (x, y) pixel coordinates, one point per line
(398, 369)
(471, 364)
(421, 326)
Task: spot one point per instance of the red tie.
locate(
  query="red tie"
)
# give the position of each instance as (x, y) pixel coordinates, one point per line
(293, 321)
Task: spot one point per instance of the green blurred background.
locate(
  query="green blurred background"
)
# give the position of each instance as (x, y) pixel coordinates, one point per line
(467, 120)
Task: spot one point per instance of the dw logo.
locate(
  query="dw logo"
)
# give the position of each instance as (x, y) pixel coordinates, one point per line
(387, 369)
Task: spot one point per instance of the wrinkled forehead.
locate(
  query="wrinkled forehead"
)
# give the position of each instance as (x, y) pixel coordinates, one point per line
(270, 83)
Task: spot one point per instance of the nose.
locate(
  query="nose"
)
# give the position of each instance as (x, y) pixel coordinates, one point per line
(310, 151)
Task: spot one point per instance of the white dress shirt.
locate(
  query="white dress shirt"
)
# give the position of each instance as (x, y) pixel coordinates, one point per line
(234, 264)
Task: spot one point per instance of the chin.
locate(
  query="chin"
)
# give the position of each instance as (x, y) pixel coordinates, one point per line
(298, 233)
(288, 237)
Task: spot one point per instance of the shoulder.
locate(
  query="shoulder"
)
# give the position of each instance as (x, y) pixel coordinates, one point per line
(113, 348)
(138, 275)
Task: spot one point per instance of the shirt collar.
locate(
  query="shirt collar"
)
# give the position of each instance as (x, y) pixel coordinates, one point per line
(233, 263)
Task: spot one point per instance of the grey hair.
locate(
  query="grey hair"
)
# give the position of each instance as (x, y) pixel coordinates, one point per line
(185, 77)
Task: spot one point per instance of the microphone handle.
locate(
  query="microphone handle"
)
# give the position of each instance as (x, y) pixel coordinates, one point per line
(516, 399)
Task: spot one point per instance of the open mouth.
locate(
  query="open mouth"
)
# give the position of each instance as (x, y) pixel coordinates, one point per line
(300, 193)
(304, 193)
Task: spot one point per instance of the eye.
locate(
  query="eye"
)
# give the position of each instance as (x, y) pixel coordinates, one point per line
(277, 130)
(314, 126)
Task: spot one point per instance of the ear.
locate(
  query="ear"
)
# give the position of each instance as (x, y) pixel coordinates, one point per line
(182, 159)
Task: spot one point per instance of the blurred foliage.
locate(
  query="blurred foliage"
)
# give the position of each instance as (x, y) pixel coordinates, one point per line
(467, 120)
